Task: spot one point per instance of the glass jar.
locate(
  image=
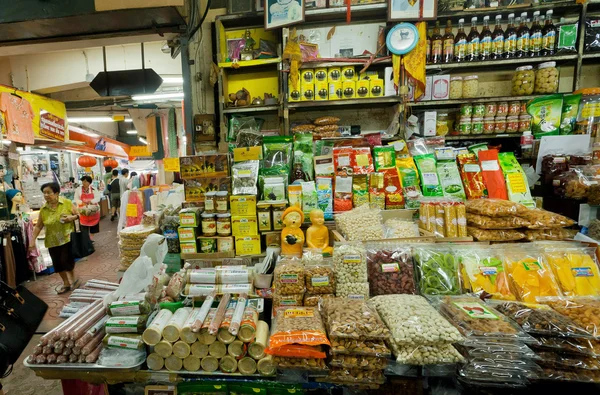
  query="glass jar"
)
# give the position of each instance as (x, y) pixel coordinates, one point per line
(524, 122)
(524, 107)
(441, 128)
(465, 125)
(209, 202)
(512, 124)
(489, 125)
(588, 116)
(278, 209)
(596, 153)
(456, 88)
(222, 201)
(209, 224)
(466, 110)
(502, 109)
(477, 125)
(500, 124)
(523, 81)
(478, 110)
(224, 224)
(470, 86)
(490, 109)
(514, 108)
(546, 78)
(263, 211)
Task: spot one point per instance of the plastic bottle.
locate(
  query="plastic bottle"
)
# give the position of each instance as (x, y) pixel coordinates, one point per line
(527, 144)
(485, 40)
(498, 40)
(523, 37)
(448, 56)
(460, 42)
(473, 42)
(549, 35)
(535, 36)
(436, 44)
(510, 38)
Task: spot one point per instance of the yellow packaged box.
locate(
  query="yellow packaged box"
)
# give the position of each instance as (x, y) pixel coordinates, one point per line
(187, 235)
(349, 89)
(243, 205)
(349, 73)
(376, 88)
(307, 92)
(295, 195)
(362, 89)
(294, 93)
(188, 248)
(336, 92)
(320, 75)
(242, 226)
(249, 245)
(307, 76)
(321, 91)
(334, 74)
(190, 217)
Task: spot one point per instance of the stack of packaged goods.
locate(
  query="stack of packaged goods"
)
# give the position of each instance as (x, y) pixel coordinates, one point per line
(170, 230)
(124, 328)
(354, 322)
(443, 217)
(494, 346)
(319, 277)
(390, 268)
(131, 240)
(419, 334)
(189, 229)
(437, 270)
(222, 279)
(503, 220)
(288, 281)
(350, 265)
(298, 338)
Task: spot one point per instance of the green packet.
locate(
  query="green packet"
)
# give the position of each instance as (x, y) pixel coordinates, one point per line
(475, 148)
(450, 179)
(546, 113)
(430, 182)
(570, 109)
(516, 180)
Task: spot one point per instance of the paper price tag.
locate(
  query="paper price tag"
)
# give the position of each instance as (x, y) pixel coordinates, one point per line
(132, 210)
(171, 164)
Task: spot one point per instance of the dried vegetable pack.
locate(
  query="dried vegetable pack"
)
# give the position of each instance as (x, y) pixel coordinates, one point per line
(437, 270)
(495, 207)
(576, 270)
(482, 271)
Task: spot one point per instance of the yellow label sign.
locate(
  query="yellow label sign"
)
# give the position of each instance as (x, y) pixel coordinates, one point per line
(516, 182)
(132, 210)
(139, 150)
(171, 164)
(250, 153)
(293, 313)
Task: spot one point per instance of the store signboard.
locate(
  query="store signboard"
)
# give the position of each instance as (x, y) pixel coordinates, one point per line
(52, 126)
(171, 164)
(139, 151)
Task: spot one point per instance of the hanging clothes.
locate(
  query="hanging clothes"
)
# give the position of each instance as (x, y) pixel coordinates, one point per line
(8, 256)
(13, 254)
(147, 194)
(151, 134)
(36, 264)
(159, 154)
(19, 118)
(136, 198)
(172, 132)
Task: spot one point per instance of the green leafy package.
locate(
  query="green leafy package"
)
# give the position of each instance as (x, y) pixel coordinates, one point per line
(546, 114)
(309, 198)
(475, 148)
(303, 151)
(325, 196)
(277, 171)
(516, 180)
(237, 123)
(274, 188)
(428, 175)
(570, 108)
(450, 179)
(384, 157)
(324, 147)
(277, 151)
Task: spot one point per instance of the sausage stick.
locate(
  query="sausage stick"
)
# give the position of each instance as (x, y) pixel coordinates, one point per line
(63, 333)
(206, 305)
(214, 325)
(93, 356)
(92, 343)
(50, 335)
(87, 336)
(86, 324)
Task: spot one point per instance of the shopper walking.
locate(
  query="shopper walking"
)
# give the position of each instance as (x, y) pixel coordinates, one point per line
(115, 194)
(87, 199)
(107, 178)
(124, 181)
(57, 216)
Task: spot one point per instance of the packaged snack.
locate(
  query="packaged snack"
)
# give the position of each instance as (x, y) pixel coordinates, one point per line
(450, 179)
(358, 291)
(376, 348)
(398, 228)
(377, 191)
(354, 376)
(280, 300)
(300, 363)
(495, 235)
(437, 270)
(384, 157)
(362, 161)
(542, 219)
(277, 151)
(244, 177)
(496, 349)
(328, 120)
(550, 234)
(313, 300)
(567, 375)
(359, 224)
(350, 263)
(492, 174)
(390, 270)
(319, 278)
(567, 345)
(427, 355)
(353, 319)
(430, 182)
(309, 197)
(482, 271)
(409, 179)
(495, 207)
(298, 325)
(530, 275)
(576, 270)
(289, 277)
(297, 351)
(392, 189)
(342, 161)
(570, 108)
(342, 200)
(359, 361)
(583, 310)
(472, 179)
(487, 222)
(546, 115)
(360, 191)
(325, 196)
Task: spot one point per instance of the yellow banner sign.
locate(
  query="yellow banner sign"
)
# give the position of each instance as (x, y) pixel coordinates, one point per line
(139, 151)
(171, 164)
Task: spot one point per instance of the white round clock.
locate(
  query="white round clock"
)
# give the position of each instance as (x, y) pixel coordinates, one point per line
(402, 38)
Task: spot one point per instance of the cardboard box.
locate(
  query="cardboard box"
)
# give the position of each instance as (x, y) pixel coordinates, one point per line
(242, 226)
(307, 76)
(388, 80)
(440, 87)
(428, 83)
(429, 123)
(225, 244)
(294, 95)
(188, 248)
(349, 73)
(349, 89)
(368, 75)
(334, 74)
(321, 75)
(196, 188)
(190, 217)
(109, 5)
(307, 92)
(321, 91)
(336, 91)
(273, 239)
(243, 205)
(376, 88)
(214, 165)
(249, 245)
(187, 235)
(362, 89)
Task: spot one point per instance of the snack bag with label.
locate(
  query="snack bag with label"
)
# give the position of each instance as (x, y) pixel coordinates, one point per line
(492, 175)
(472, 179)
(430, 181)
(530, 274)
(517, 186)
(576, 270)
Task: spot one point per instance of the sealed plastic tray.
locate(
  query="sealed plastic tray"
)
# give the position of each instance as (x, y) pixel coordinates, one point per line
(82, 367)
(581, 376)
(563, 361)
(584, 311)
(566, 345)
(359, 362)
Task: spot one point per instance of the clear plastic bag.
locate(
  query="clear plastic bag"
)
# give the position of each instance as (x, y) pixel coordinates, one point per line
(288, 276)
(568, 345)
(390, 270)
(375, 348)
(550, 234)
(353, 319)
(350, 263)
(244, 177)
(397, 229)
(313, 300)
(475, 319)
(487, 222)
(300, 363)
(355, 376)
(426, 355)
(494, 207)
(437, 270)
(287, 300)
(562, 361)
(360, 224)
(358, 362)
(539, 319)
(495, 235)
(356, 291)
(298, 325)
(319, 278)
(498, 350)
(543, 219)
(121, 357)
(576, 270)
(584, 311)
(580, 376)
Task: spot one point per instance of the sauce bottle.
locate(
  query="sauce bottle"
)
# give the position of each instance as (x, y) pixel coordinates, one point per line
(448, 56)
(510, 38)
(523, 37)
(436, 44)
(473, 42)
(535, 36)
(549, 35)
(485, 40)
(428, 53)
(498, 40)
(460, 42)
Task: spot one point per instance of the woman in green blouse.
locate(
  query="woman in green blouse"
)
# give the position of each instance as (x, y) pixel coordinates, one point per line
(58, 215)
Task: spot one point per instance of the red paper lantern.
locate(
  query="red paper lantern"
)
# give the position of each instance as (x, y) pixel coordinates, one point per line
(87, 162)
(111, 163)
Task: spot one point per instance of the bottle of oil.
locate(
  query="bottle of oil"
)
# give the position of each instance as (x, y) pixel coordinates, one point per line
(498, 40)
(473, 43)
(523, 37)
(549, 35)
(535, 36)
(510, 38)
(448, 56)
(485, 40)
(428, 53)
(460, 42)
(436, 44)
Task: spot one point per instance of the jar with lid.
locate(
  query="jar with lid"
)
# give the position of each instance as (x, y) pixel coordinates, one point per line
(441, 128)
(477, 125)
(524, 107)
(502, 109)
(224, 224)
(456, 87)
(466, 110)
(514, 108)
(465, 125)
(209, 201)
(209, 224)
(278, 209)
(470, 86)
(500, 124)
(222, 201)
(512, 124)
(596, 153)
(263, 211)
(588, 116)
(489, 124)
(546, 78)
(478, 110)
(524, 122)
(490, 109)
(523, 81)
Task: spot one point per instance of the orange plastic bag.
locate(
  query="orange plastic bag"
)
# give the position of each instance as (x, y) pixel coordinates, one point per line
(297, 351)
(298, 325)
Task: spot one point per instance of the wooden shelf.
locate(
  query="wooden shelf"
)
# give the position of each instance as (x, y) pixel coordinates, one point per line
(559, 8)
(501, 63)
(447, 103)
(250, 63)
(248, 109)
(372, 102)
(483, 136)
(593, 55)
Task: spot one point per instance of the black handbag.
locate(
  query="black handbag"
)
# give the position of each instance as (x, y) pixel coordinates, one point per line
(14, 337)
(28, 307)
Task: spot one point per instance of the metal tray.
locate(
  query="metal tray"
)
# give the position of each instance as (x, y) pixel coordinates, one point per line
(83, 367)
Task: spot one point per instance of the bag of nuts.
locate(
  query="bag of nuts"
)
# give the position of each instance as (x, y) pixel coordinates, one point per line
(376, 348)
(288, 276)
(350, 263)
(313, 300)
(319, 278)
(360, 224)
(298, 325)
(359, 362)
(355, 291)
(390, 269)
(287, 300)
(353, 319)
(427, 355)
(584, 311)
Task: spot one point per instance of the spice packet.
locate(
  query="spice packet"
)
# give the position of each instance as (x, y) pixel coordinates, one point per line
(245, 176)
(324, 165)
(470, 172)
(393, 190)
(309, 198)
(570, 108)
(492, 175)
(450, 179)
(342, 160)
(428, 174)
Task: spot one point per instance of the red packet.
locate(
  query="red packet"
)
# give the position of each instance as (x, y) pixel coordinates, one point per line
(394, 199)
(492, 174)
(472, 179)
(342, 160)
(362, 161)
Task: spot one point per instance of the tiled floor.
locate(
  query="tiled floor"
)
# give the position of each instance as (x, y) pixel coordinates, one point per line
(100, 265)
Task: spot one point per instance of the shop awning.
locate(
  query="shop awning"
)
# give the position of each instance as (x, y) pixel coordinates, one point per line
(103, 146)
